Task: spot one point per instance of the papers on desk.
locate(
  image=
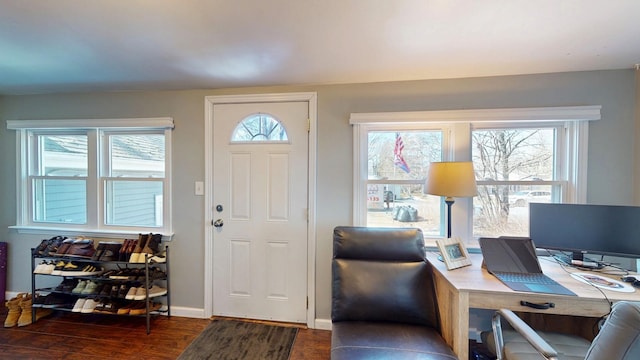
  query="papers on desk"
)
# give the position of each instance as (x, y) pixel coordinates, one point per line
(603, 282)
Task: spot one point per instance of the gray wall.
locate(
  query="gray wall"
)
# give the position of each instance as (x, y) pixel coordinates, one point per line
(611, 149)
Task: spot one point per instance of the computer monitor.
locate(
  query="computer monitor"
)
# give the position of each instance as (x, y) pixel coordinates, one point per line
(586, 229)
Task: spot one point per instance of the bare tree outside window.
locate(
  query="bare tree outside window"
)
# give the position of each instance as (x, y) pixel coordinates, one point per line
(513, 167)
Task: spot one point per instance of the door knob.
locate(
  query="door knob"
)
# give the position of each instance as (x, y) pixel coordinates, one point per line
(218, 223)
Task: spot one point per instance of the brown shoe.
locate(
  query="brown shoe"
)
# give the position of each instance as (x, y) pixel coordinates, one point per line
(142, 242)
(14, 310)
(150, 247)
(128, 249)
(138, 308)
(126, 309)
(81, 248)
(123, 250)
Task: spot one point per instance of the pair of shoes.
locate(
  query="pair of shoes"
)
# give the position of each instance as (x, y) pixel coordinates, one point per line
(135, 254)
(73, 269)
(63, 248)
(77, 307)
(45, 267)
(107, 251)
(131, 293)
(135, 308)
(126, 274)
(67, 285)
(15, 310)
(147, 246)
(79, 287)
(119, 292)
(76, 248)
(49, 247)
(81, 248)
(128, 245)
(58, 267)
(91, 288)
(141, 292)
(159, 258)
(141, 308)
(85, 305)
(107, 307)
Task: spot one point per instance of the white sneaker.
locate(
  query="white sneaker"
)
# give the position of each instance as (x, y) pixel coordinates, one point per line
(88, 306)
(154, 291)
(157, 291)
(131, 294)
(48, 268)
(79, 305)
(160, 258)
(39, 268)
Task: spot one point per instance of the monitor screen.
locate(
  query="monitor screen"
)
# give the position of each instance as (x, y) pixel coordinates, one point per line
(588, 229)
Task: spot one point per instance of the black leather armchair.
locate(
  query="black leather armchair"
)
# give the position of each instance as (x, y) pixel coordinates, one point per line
(383, 301)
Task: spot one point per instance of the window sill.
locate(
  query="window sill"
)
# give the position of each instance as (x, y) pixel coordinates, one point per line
(53, 231)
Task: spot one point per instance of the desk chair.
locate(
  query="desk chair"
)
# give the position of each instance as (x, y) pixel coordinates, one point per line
(619, 338)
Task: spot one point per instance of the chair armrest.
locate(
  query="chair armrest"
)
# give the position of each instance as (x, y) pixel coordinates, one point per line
(523, 329)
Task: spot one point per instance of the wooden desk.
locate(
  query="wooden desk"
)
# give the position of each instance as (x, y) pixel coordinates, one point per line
(473, 287)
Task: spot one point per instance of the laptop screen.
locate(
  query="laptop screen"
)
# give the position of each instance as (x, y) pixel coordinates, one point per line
(510, 254)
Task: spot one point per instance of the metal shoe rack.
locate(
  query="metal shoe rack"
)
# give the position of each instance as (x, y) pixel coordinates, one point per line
(108, 265)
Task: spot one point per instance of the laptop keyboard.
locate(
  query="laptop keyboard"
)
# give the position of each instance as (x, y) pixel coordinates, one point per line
(540, 279)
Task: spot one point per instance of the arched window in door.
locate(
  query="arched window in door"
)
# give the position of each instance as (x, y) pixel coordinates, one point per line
(259, 128)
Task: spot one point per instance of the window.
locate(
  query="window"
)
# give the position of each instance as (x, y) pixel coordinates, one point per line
(514, 167)
(259, 128)
(397, 164)
(519, 155)
(111, 178)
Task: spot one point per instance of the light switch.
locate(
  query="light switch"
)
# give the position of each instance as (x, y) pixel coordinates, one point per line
(199, 188)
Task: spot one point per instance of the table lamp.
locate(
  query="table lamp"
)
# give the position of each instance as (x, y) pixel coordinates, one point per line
(451, 179)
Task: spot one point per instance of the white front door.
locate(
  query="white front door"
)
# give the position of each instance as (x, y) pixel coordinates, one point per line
(260, 210)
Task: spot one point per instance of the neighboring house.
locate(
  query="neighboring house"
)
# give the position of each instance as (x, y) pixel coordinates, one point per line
(132, 203)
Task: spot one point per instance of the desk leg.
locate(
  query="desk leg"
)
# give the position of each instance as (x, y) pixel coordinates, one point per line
(453, 307)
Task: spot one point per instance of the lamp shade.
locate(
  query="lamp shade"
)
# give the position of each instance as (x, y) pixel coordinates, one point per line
(451, 179)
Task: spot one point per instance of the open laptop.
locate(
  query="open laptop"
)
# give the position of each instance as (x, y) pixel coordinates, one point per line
(513, 261)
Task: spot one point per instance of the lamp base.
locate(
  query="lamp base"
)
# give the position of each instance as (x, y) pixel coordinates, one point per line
(449, 201)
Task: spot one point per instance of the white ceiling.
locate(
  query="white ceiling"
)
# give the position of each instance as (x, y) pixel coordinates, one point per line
(110, 45)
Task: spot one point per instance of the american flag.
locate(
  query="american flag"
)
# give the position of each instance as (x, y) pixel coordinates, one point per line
(398, 160)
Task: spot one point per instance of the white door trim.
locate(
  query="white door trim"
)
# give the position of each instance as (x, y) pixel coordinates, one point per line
(210, 101)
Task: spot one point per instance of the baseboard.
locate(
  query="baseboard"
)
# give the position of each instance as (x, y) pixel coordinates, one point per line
(323, 324)
(11, 294)
(188, 312)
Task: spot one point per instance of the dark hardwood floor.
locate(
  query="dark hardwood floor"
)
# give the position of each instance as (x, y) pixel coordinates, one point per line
(66, 335)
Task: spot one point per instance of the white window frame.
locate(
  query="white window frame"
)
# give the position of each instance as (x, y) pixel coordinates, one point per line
(95, 225)
(457, 126)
